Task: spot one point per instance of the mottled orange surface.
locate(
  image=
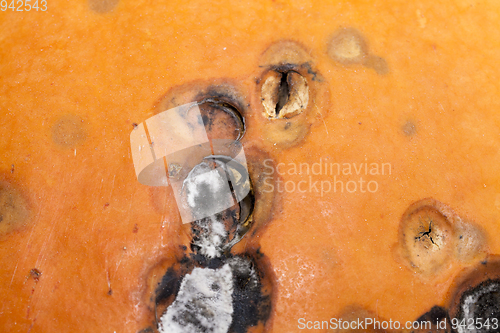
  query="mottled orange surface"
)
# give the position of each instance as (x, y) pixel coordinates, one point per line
(75, 78)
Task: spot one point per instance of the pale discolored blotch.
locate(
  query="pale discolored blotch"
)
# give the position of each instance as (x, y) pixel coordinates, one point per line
(103, 6)
(14, 209)
(68, 131)
(348, 46)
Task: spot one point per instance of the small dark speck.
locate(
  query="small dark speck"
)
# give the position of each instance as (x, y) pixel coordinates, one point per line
(12, 169)
(287, 125)
(461, 236)
(106, 204)
(110, 292)
(359, 123)
(35, 274)
(134, 125)
(484, 262)
(136, 229)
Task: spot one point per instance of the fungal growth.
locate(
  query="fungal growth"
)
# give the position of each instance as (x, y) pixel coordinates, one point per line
(348, 46)
(203, 304)
(476, 297)
(211, 289)
(284, 94)
(482, 301)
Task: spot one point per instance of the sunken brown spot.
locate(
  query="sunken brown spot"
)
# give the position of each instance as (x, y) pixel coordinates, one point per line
(69, 131)
(409, 128)
(378, 64)
(14, 211)
(102, 6)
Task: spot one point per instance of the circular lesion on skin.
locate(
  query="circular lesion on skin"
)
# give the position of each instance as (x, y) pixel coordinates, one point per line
(432, 236)
(291, 94)
(221, 102)
(427, 237)
(348, 46)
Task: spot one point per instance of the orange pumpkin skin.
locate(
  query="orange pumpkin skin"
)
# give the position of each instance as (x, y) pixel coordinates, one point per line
(83, 234)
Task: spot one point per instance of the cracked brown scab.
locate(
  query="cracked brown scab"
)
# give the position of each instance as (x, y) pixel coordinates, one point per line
(284, 94)
(432, 235)
(291, 94)
(426, 236)
(14, 209)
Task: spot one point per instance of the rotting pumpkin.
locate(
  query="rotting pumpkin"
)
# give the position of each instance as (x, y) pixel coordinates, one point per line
(82, 241)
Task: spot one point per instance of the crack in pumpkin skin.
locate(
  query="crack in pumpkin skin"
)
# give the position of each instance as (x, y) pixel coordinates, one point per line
(287, 124)
(432, 236)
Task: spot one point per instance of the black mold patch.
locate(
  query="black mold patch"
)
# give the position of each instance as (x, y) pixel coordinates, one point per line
(168, 286)
(250, 306)
(437, 316)
(481, 301)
